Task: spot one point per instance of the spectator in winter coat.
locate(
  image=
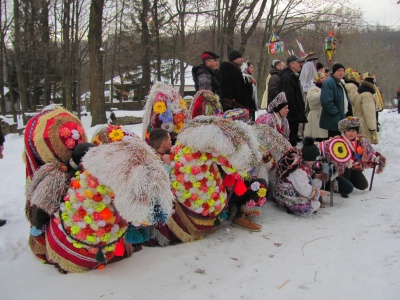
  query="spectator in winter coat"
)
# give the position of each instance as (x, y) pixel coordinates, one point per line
(334, 101)
(204, 75)
(290, 84)
(312, 128)
(272, 84)
(251, 86)
(233, 86)
(364, 108)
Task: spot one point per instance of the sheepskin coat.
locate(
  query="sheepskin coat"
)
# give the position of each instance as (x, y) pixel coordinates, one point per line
(364, 108)
(351, 91)
(312, 127)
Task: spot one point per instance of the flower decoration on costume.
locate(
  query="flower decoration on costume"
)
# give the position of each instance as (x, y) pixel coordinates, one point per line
(71, 134)
(253, 206)
(88, 216)
(196, 180)
(164, 109)
(205, 103)
(112, 133)
(337, 152)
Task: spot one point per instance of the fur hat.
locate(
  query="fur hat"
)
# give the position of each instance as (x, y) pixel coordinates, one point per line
(350, 123)
(336, 67)
(278, 103)
(234, 54)
(310, 151)
(289, 162)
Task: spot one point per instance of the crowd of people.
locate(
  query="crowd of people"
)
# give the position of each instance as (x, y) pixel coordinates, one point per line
(93, 203)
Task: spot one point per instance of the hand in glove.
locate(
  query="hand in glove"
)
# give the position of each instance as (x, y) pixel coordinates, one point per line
(374, 137)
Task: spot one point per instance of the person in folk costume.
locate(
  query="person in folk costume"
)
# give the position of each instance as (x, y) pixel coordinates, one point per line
(312, 128)
(335, 101)
(160, 141)
(251, 86)
(272, 83)
(205, 103)
(298, 188)
(364, 108)
(276, 116)
(49, 139)
(164, 109)
(247, 204)
(362, 155)
(104, 216)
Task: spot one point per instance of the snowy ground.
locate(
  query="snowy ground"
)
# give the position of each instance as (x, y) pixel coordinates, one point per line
(348, 251)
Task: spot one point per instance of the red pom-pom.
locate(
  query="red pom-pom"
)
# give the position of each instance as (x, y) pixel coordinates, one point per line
(240, 188)
(229, 180)
(119, 249)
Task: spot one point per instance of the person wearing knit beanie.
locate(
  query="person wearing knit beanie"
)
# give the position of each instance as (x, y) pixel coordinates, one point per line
(335, 101)
(234, 54)
(235, 91)
(336, 67)
(310, 151)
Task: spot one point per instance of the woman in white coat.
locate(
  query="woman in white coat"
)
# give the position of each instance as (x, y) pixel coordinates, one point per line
(312, 127)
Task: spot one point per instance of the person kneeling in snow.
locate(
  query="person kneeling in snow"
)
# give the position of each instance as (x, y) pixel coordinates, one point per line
(362, 155)
(295, 188)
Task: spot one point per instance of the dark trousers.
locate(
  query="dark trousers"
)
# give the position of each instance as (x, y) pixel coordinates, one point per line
(357, 178)
(294, 128)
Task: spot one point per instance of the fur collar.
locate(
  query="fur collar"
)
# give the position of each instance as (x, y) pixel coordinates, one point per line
(366, 86)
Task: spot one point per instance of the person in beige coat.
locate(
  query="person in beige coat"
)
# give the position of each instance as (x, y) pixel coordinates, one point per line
(364, 108)
(312, 127)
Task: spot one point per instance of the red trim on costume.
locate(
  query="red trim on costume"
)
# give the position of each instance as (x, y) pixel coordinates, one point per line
(57, 240)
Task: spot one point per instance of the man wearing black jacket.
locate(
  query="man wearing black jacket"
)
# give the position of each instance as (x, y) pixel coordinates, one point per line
(290, 84)
(205, 75)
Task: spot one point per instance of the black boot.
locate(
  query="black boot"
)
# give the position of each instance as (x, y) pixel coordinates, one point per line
(2, 222)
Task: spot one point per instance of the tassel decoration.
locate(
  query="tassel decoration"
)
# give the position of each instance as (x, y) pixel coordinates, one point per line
(240, 187)
(100, 256)
(133, 236)
(119, 249)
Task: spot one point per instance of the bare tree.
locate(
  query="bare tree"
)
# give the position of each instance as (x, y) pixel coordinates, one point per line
(96, 63)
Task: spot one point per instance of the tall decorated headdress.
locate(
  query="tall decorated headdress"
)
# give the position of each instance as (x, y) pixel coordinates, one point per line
(164, 109)
(205, 103)
(50, 137)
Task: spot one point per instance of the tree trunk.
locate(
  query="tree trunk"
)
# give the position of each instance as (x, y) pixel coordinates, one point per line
(45, 53)
(18, 66)
(145, 81)
(96, 63)
(67, 56)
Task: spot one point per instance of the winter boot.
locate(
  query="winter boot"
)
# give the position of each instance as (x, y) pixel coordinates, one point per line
(2, 222)
(244, 222)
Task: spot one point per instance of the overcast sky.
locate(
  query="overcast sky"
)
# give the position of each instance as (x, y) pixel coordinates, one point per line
(384, 12)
